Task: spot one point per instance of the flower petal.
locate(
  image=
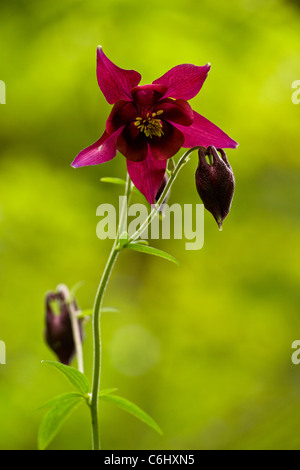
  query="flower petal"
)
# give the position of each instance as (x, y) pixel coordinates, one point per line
(147, 175)
(204, 133)
(168, 144)
(178, 111)
(132, 143)
(100, 152)
(114, 82)
(147, 95)
(184, 81)
(122, 113)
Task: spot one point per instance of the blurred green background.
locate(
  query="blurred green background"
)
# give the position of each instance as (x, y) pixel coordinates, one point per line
(205, 348)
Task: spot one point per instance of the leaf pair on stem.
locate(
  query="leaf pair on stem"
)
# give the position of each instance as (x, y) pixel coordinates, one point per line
(61, 407)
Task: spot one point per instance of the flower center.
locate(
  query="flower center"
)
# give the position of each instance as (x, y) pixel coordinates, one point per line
(150, 124)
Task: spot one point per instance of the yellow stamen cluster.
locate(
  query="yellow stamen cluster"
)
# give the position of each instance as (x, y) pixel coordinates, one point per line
(150, 125)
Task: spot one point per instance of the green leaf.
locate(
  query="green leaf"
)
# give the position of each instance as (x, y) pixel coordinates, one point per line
(65, 397)
(133, 409)
(152, 251)
(85, 313)
(109, 310)
(121, 182)
(140, 242)
(74, 289)
(89, 312)
(54, 418)
(78, 379)
(107, 391)
(109, 179)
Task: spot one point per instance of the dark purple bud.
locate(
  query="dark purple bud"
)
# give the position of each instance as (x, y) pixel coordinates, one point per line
(59, 332)
(215, 182)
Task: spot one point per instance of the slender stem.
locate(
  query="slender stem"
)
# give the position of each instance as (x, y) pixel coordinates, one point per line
(69, 299)
(76, 336)
(104, 280)
(97, 345)
(181, 162)
(96, 323)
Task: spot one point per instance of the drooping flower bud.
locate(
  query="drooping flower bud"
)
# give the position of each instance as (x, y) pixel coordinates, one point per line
(215, 182)
(59, 331)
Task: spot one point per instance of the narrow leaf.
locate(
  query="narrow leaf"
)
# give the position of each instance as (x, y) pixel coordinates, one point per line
(152, 251)
(110, 310)
(78, 379)
(85, 313)
(109, 179)
(140, 242)
(89, 312)
(74, 289)
(107, 391)
(64, 398)
(133, 409)
(53, 420)
(121, 182)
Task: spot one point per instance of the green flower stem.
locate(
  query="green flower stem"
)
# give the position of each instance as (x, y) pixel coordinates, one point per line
(104, 281)
(76, 336)
(96, 323)
(97, 344)
(173, 175)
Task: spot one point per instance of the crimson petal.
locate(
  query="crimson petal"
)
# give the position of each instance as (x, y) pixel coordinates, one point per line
(184, 81)
(132, 143)
(168, 144)
(122, 113)
(147, 95)
(100, 152)
(114, 82)
(204, 133)
(178, 111)
(147, 175)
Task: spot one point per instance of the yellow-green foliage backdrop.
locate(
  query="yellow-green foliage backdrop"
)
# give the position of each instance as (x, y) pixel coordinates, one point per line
(205, 348)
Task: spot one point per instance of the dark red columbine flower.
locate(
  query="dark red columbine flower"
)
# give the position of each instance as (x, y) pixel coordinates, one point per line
(215, 183)
(150, 123)
(58, 331)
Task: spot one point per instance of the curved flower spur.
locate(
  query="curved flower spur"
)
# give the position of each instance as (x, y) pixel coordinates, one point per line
(149, 124)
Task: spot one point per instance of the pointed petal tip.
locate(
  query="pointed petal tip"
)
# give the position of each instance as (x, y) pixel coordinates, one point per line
(101, 151)
(184, 81)
(115, 82)
(99, 52)
(77, 162)
(232, 144)
(204, 133)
